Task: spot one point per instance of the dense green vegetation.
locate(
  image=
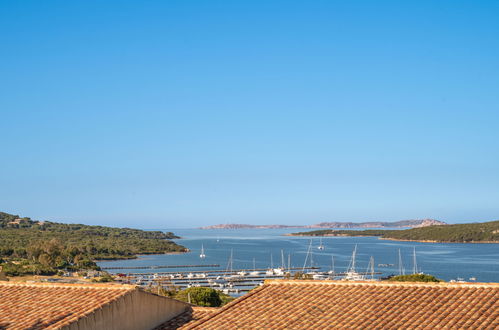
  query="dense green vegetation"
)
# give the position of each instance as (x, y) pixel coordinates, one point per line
(332, 232)
(37, 247)
(460, 233)
(199, 296)
(414, 278)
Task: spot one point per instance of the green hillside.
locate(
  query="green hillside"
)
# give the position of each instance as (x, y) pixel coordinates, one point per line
(30, 247)
(459, 233)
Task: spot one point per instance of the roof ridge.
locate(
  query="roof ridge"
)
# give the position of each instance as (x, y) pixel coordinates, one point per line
(381, 283)
(102, 286)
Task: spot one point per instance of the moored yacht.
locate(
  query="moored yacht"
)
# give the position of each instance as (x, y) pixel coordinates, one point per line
(202, 255)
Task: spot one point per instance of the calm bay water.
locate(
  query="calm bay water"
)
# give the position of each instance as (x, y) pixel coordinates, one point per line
(446, 261)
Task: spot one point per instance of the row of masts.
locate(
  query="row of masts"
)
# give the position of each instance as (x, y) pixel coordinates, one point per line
(401, 268)
(234, 281)
(351, 269)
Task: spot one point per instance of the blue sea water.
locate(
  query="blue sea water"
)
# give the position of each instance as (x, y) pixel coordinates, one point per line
(444, 260)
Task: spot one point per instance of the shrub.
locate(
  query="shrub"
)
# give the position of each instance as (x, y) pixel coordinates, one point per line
(415, 278)
(207, 297)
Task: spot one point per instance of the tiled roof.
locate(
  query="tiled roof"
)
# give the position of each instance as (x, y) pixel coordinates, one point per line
(193, 314)
(41, 305)
(360, 305)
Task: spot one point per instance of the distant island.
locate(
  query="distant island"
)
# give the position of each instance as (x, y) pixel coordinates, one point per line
(484, 232)
(371, 224)
(47, 248)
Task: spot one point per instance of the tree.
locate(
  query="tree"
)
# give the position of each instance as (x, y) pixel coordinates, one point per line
(302, 276)
(415, 278)
(207, 297)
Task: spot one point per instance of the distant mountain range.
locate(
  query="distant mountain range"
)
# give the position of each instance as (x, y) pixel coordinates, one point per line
(371, 224)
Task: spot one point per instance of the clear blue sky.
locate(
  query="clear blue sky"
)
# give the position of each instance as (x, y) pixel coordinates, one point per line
(162, 114)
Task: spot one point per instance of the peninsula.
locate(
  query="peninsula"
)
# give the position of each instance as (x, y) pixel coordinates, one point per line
(43, 247)
(371, 224)
(484, 232)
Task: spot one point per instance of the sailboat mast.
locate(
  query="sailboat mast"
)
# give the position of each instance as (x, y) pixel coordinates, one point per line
(372, 267)
(415, 264)
(352, 262)
(306, 257)
(231, 259)
(401, 266)
(283, 263)
(228, 270)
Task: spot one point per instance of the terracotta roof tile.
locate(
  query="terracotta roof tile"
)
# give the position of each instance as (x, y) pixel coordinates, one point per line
(361, 305)
(51, 306)
(193, 314)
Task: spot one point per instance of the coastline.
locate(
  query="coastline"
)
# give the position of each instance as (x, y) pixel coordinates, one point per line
(330, 235)
(138, 256)
(435, 241)
(396, 239)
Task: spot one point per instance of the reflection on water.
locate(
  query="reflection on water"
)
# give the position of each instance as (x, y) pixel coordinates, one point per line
(446, 261)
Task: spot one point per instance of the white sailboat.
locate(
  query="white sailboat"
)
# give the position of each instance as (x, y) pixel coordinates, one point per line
(270, 271)
(401, 265)
(309, 252)
(321, 246)
(229, 273)
(351, 274)
(370, 269)
(254, 272)
(332, 271)
(415, 269)
(310, 256)
(202, 255)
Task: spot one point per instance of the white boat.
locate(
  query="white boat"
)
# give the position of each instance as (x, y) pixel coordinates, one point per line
(332, 271)
(473, 278)
(321, 246)
(202, 255)
(319, 277)
(278, 271)
(351, 274)
(254, 272)
(415, 268)
(370, 270)
(229, 273)
(458, 280)
(270, 271)
(233, 277)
